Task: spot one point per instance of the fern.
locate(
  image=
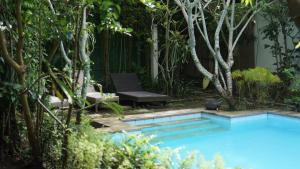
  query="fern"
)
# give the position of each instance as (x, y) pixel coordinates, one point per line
(115, 107)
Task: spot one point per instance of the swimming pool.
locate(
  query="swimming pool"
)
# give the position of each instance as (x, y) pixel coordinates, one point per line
(265, 141)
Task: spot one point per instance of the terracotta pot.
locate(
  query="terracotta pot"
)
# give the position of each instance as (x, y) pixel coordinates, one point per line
(294, 7)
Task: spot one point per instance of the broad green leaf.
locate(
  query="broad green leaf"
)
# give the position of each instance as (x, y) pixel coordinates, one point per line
(247, 2)
(63, 87)
(298, 45)
(205, 83)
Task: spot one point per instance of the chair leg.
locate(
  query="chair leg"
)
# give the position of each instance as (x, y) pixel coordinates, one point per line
(134, 104)
(96, 108)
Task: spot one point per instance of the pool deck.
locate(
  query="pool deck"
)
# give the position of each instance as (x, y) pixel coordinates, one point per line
(116, 124)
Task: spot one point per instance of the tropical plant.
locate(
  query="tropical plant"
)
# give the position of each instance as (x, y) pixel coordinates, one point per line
(169, 51)
(280, 26)
(85, 149)
(89, 149)
(293, 95)
(255, 84)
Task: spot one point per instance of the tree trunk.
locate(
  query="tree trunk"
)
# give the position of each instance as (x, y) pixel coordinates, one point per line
(231, 102)
(167, 50)
(65, 141)
(154, 53)
(106, 56)
(85, 61)
(35, 145)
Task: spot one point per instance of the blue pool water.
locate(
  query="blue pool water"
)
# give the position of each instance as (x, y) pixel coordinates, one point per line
(265, 141)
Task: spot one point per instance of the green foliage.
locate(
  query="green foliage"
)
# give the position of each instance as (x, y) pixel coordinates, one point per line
(115, 107)
(172, 41)
(89, 149)
(295, 86)
(85, 149)
(280, 30)
(39, 50)
(135, 151)
(260, 75)
(51, 140)
(255, 83)
(180, 87)
(109, 13)
(247, 2)
(217, 163)
(287, 75)
(293, 96)
(152, 5)
(9, 91)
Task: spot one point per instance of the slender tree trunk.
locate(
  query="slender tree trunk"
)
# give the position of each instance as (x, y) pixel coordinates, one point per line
(286, 52)
(106, 56)
(35, 145)
(154, 52)
(22, 80)
(65, 142)
(278, 53)
(85, 61)
(167, 50)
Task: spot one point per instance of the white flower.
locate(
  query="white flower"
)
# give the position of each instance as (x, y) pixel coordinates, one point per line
(2, 28)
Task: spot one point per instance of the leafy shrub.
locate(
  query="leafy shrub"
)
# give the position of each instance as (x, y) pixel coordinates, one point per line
(51, 139)
(89, 149)
(255, 83)
(85, 148)
(293, 96)
(134, 151)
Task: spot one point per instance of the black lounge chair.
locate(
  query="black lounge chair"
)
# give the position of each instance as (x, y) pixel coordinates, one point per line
(128, 88)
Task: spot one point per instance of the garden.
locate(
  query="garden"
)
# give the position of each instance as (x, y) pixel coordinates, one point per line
(109, 84)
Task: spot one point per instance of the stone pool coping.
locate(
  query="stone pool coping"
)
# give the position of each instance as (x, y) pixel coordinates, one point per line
(115, 124)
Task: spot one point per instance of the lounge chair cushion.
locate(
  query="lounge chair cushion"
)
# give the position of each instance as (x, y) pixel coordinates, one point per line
(56, 102)
(142, 96)
(97, 96)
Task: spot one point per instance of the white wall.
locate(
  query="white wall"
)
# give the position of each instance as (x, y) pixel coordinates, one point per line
(263, 57)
